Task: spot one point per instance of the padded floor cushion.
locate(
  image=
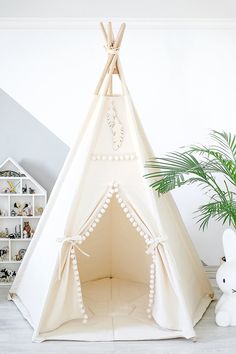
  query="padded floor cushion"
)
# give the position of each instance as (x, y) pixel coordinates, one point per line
(117, 311)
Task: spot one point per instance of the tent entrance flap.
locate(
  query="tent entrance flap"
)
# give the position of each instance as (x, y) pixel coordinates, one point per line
(117, 279)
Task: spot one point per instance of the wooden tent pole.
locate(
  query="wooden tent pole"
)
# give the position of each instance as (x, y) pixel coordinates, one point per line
(109, 44)
(117, 43)
(103, 31)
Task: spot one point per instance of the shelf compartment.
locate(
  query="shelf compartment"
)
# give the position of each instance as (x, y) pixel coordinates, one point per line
(4, 205)
(16, 250)
(39, 205)
(10, 266)
(10, 226)
(33, 222)
(4, 245)
(30, 188)
(13, 187)
(22, 200)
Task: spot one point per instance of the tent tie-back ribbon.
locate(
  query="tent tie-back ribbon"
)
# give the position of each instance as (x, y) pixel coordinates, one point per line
(155, 243)
(73, 245)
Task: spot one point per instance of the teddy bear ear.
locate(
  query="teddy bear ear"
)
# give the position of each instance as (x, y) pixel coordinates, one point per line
(229, 244)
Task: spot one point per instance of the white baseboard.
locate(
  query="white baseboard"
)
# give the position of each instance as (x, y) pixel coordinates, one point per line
(211, 271)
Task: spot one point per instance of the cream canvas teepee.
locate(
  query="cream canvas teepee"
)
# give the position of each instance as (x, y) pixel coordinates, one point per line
(110, 260)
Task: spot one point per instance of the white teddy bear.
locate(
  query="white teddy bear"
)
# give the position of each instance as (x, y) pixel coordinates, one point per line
(226, 279)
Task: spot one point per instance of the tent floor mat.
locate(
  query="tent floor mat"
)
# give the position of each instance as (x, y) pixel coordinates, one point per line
(117, 310)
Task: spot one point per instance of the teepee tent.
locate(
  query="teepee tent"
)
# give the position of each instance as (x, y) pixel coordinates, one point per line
(110, 260)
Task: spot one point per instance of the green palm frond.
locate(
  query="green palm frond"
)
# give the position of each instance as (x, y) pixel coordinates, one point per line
(226, 144)
(201, 165)
(215, 162)
(224, 211)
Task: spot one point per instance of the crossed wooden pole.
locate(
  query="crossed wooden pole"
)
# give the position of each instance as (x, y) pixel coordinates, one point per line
(112, 64)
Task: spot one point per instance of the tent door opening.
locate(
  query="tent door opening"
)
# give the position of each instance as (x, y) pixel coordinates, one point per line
(115, 278)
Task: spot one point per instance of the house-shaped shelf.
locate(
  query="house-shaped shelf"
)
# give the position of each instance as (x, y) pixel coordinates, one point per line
(22, 202)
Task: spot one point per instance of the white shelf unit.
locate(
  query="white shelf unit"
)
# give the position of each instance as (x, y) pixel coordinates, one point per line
(11, 225)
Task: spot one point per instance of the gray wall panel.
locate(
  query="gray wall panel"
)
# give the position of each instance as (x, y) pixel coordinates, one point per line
(30, 143)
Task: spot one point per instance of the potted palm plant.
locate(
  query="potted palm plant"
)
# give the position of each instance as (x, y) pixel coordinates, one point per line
(212, 168)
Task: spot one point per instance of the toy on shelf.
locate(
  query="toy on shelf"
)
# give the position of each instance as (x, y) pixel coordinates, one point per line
(4, 234)
(7, 275)
(4, 252)
(28, 232)
(3, 212)
(11, 187)
(16, 234)
(10, 173)
(24, 209)
(25, 189)
(29, 210)
(38, 211)
(31, 190)
(13, 212)
(20, 255)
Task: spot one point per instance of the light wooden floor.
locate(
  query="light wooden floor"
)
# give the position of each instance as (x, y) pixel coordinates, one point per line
(15, 337)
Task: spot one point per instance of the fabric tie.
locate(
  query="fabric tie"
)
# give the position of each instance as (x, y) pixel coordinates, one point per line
(73, 245)
(155, 243)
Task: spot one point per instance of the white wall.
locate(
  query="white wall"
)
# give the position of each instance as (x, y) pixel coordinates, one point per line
(181, 79)
(121, 8)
